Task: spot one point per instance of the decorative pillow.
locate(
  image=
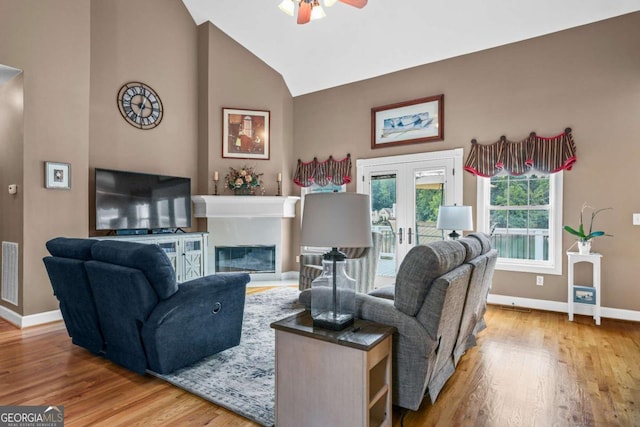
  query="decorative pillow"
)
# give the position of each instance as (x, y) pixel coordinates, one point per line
(66, 247)
(150, 259)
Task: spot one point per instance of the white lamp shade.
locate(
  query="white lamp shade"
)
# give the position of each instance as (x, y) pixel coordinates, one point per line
(336, 220)
(455, 218)
(287, 7)
(317, 12)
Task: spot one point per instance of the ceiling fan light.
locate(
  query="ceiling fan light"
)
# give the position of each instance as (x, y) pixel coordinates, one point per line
(287, 7)
(304, 12)
(329, 3)
(355, 3)
(317, 12)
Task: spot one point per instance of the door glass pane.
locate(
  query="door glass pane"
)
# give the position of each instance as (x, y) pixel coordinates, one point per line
(429, 188)
(383, 220)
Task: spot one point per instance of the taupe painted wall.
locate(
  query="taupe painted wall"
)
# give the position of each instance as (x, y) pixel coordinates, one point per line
(155, 42)
(50, 42)
(586, 78)
(235, 78)
(11, 167)
(75, 56)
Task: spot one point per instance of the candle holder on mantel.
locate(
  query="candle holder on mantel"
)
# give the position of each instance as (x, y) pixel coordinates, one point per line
(215, 183)
(279, 181)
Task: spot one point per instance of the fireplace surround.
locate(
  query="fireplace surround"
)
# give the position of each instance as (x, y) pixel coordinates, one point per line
(248, 221)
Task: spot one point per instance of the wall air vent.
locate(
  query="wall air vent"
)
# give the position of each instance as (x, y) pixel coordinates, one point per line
(9, 282)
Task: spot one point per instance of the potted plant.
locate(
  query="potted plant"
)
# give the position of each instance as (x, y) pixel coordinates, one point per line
(584, 242)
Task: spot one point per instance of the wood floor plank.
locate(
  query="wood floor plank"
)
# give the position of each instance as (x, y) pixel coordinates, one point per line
(529, 368)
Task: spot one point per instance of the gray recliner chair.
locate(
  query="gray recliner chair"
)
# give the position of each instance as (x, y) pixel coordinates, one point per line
(436, 306)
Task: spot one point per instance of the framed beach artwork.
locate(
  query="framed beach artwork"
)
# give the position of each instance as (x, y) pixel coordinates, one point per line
(245, 134)
(584, 294)
(57, 175)
(419, 120)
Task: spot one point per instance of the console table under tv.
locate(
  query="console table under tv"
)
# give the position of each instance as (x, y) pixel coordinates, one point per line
(187, 251)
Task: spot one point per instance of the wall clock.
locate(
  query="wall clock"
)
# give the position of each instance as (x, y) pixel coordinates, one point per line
(140, 105)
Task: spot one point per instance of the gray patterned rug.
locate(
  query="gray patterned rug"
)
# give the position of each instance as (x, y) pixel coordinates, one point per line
(242, 379)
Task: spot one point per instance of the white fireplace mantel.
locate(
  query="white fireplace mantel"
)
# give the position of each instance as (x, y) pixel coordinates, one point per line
(244, 206)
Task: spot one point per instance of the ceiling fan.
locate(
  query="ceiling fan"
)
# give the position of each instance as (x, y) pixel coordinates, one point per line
(309, 10)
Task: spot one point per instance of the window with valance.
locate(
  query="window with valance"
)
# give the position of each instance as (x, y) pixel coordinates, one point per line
(330, 171)
(532, 154)
(520, 198)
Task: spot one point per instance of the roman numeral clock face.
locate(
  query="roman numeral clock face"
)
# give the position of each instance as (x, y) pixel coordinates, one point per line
(140, 105)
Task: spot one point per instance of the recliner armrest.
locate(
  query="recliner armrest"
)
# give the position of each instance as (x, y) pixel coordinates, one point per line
(382, 310)
(204, 317)
(200, 294)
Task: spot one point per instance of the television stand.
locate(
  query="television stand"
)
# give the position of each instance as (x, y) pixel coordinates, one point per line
(186, 251)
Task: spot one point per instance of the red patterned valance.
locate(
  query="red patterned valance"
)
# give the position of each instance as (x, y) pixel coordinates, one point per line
(330, 171)
(535, 153)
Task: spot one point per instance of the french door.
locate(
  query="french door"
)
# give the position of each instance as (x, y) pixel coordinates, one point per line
(406, 193)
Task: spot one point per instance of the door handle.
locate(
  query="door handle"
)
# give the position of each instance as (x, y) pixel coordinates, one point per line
(400, 235)
(409, 235)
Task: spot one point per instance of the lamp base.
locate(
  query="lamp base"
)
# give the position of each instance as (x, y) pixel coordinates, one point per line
(327, 320)
(454, 235)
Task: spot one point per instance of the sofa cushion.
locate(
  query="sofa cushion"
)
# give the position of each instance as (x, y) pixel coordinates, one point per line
(473, 247)
(420, 267)
(75, 248)
(150, 259)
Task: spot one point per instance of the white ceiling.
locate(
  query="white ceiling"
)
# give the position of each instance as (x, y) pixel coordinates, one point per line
(389, 35)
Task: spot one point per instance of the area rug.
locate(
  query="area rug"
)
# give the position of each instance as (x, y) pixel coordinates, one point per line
(242, 379)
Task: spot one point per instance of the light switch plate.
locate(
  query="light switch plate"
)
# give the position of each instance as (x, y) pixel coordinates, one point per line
(636, 219)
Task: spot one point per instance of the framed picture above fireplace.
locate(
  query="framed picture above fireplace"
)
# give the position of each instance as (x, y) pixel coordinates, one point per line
(245, 134)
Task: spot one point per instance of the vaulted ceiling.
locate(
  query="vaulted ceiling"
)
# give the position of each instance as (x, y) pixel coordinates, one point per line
(389, 35)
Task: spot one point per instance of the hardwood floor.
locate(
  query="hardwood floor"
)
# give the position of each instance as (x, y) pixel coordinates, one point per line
(528, 369)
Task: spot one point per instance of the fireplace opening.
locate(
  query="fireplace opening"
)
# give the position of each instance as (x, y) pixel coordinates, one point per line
(246, 259)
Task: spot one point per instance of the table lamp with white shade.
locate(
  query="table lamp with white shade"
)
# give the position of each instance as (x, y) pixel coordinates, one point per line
(335, 220)
(455, 218)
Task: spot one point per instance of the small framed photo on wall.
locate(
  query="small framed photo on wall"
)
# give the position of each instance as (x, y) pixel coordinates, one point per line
(57, 175)
(245, 134)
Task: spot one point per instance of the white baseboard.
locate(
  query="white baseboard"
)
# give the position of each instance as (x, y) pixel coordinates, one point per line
(30, 320)
(562, 307)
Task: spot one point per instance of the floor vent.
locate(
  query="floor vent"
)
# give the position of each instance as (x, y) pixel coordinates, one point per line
(10, 272)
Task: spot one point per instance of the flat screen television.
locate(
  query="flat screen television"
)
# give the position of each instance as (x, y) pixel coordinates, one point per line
(140, 201)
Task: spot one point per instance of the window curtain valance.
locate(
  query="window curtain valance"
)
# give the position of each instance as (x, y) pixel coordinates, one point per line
(330, 171)
(534, 153)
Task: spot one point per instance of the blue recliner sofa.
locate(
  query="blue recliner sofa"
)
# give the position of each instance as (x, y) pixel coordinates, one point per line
(121, 300)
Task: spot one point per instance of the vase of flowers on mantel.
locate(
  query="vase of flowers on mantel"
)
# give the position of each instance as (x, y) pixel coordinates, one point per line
(585, 237)
(244, 181)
